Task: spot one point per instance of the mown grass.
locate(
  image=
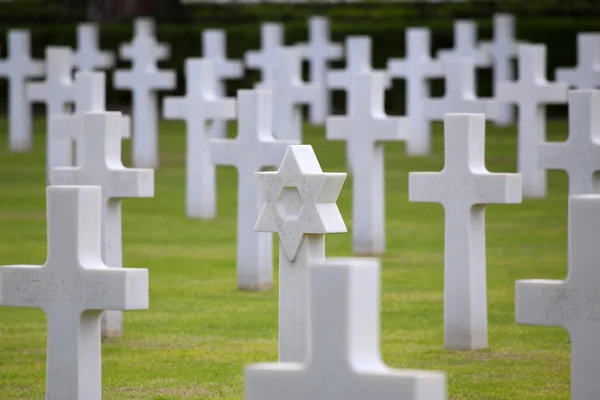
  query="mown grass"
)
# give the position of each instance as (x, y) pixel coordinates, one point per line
(200, 331)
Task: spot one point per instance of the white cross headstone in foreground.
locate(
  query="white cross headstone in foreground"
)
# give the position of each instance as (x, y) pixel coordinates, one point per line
(531, 92)
(319, 51)
(271, 40)
(253, 149)
(459, 95)
(503, 49)
(144, 79)
(579, 156)
(102, 167)
(198, 108)
(73, 287)
(364, 129)
(466, 45)
(289, 94)
(88, 56)
(300, 205)
(214, 47)
(586, 75)
(417, 68)
(572, 304)
(343, 360)
(17, 68)
(57, 91)
(90, 89)
(464, 187)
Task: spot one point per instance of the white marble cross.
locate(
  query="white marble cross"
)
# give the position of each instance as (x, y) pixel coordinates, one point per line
(466, 45)
(503, 49)
(253, 149)
(57, 91)
(464, 187)
(102, 167)
(416, 69)
(573, 304)
(17, 67)
(300, 205)
(198, 108)
(579, 156)
(90, 89)
(365, 128)
(214, 47)
(343, 360)
(531, 92)
(289, 93)
(319, 51)
(73, 287)
(271, 40)
(586, 74)
(144, 79)
(88, 56)
(459, 95)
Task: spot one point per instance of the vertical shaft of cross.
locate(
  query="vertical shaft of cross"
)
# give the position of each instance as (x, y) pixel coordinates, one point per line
(464, 278)
(201, 179)
(294, 294)
(112, 255)
(19, 117)
(584, 370)
(257, 260)
(64, 366)
(145, 137)
(531, 115)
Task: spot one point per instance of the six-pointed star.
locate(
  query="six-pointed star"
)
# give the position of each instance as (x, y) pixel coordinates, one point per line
(316, 197)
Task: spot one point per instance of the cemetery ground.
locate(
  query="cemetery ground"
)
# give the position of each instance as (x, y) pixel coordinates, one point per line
(200, 332)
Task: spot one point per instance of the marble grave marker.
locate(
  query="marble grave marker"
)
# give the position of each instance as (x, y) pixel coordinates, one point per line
(464, 187)
(466, 45)
(586, 74)
(144, 79)
(17, 67)
(416, 69)
(300, 205)
(531, 92)
(271, 40)
(253, 149)
(102, 167)
(343, 335)
(198, 108)
(88, 56)
(573, 304)
(73, 287)
(214, 47)
(365, 129)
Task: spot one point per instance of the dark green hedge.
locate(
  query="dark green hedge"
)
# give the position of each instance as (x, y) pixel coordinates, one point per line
(555, 23)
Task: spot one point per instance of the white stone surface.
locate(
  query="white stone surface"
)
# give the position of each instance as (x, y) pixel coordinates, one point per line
(343, 360)
(214, 47)
(198, 108)
(253, 149)
(73, 287)
(319, 51)
(289, 94)
(365, 129)
(579, 156)
(144, 79)
(88, 56)
(464, 187)
(90, 95)
(17, 67)
(417, 68)
(466, 45)
(586, 74)
(531, 92)
(503, 50)
(300, 205)
(57, 91)
(459, 96)
(271, 40)
(573, 304)
(102, 167)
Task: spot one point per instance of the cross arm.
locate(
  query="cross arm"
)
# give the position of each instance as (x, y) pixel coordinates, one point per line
(120, 289)
(253, 59)
(397, 68)
(337, 80)
(426, 187)
(122, 79)
(497, 188)
(65, 126)
(230, 69)
(225, 152)
(126, 51)
(174, 107)
(551, 155)
(221, 108)
(16, 289)
(338, 127)
(36, 91)
(132, 182)
(164, 79)
(275, 380)
(274, 151)
(388, 129)
(542, 302)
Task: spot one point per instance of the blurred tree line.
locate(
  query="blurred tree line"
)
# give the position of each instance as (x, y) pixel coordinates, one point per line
(113, 10)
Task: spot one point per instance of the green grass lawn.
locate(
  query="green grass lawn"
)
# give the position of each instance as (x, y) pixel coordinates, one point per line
(200, 331)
